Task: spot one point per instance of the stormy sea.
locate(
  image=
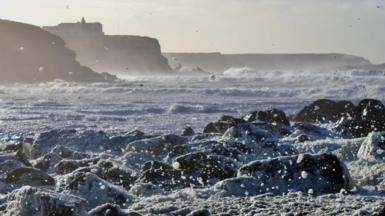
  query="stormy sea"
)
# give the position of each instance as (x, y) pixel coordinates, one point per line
(236, 142)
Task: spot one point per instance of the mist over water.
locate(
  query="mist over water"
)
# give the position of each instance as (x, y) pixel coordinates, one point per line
(175, 101)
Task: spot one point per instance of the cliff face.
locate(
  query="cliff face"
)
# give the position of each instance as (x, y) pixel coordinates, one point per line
(216, 62)
(117, 54)
(29, 54)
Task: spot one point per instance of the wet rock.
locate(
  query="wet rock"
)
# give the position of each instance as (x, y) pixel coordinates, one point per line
(164, 176)
(116, 173)
(320, 173)
(367, 117)
(268, 116)
(324, 110)
(83, 141)
(14, 147)
(49, 161)
(257, 143)
(373, 147)
(158, 145)
(19, 156)
(28, 176)
(239, 186)
(94, 189)
(220, 149)
(200, 212)
(66, 166)
(109, 209)
(188, 131)
(307, 131)
(247, 132)
(28, 201)
(278, 129)
(224, 123)
(206, 166)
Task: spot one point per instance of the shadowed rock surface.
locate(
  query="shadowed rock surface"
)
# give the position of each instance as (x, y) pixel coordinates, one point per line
(29, 54)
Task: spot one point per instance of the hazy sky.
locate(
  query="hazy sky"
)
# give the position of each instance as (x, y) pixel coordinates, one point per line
(229, 26)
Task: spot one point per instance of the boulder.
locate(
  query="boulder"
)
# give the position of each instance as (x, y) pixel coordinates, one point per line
(368, 116)
(158, 145)
(187, 131)
(206, 166)
(268, 116)
(324, 110)
(316, 174)
(94, 189)
(18, 155)
(224, 123)
(277, 129)
(307, 131)
(27, 176)
(59, 153)
(83, 141)
(66, 166)
(165, 176)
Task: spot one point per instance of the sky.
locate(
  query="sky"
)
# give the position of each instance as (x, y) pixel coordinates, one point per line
(228, 26)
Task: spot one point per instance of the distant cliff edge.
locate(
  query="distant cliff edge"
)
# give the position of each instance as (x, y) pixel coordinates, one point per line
(29, 54)
(119, 54)
(217, 62)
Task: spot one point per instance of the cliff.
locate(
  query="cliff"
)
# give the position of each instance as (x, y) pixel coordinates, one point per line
(217, 62)
(29, 54)
(120, 54)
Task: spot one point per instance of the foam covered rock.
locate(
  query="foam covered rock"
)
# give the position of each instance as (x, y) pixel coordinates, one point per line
(30, 201)
(373, 147)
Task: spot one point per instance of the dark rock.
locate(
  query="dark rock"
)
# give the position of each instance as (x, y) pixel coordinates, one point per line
(368, 116)
(57, 155)
(95, 190)
(116, 173)
(224, 123)
(28, 176)
(278, 129)
(165, 176)
(19, 156)
(321, 173)
(200, 212)
(207, 166)
(269, 116)
(324, 110)
(109, 209)
(188, 131)
(11, 147)
(158, 145)
(67, 166)
(312, 132)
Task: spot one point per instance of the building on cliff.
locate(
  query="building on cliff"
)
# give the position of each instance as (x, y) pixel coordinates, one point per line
(119, 54)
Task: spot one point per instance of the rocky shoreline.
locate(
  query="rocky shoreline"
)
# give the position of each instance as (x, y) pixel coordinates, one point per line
(326, 159)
